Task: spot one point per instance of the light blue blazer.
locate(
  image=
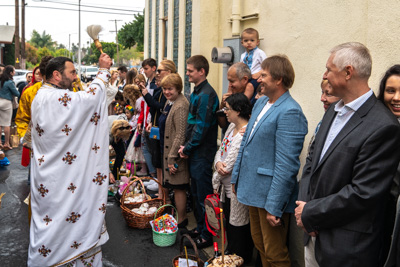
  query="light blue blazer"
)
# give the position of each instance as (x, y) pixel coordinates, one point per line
(268, 161)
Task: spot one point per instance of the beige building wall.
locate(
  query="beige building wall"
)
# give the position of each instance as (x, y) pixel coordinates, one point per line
(303, 30)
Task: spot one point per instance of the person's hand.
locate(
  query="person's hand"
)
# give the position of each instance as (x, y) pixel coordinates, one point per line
(273, 220)
(145, 91)
(224, 97)
(148, 127)
(220, 167)
(112, 179)
(141, 85)
(181, 154)
(233, 189)
(172, 169)
(297, 213)
(139, 128)
(105, 61)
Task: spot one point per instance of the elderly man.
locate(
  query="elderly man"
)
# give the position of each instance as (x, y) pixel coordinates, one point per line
(69, 168)
(240, 81)
(265, 172)
(349, 169)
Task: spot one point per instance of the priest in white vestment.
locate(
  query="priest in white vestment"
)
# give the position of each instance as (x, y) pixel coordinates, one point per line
(69, 168)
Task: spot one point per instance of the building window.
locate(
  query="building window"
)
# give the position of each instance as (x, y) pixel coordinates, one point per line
(150, 24)
(165, 22)
(188, 42)
(176, 32)
(157, 26)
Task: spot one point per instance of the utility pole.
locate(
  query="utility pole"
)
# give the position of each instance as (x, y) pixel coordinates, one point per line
(16, 39)
(116, 38)
(23, 54)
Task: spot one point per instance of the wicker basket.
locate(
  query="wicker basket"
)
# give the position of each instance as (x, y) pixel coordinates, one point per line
(134, 219)
(209, 261)
(164, 239)
(194, 257)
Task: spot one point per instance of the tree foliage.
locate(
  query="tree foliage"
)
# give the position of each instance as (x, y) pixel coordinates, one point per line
(31, 54)
(132, 33)
(43, 51)
(42, 40)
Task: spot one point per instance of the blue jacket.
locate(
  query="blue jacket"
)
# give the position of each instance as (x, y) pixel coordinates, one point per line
(8, 90)
(265, 172)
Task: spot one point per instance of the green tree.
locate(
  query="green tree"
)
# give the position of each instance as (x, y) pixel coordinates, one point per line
(31, 54)
(132, 33)
(43, 51)
(43, 40)
(62, 52)
(108, 48)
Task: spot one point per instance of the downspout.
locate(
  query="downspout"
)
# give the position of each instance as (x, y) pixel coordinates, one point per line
(236, 17)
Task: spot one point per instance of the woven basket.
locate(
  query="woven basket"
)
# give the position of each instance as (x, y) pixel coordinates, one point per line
(195, 257)
(134, 219)
(164, 239)
(209, 261)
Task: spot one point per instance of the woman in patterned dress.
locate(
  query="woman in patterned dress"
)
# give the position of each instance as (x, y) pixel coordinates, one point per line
(237, 110)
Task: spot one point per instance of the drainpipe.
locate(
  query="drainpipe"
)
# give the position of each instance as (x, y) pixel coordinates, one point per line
(236, 17)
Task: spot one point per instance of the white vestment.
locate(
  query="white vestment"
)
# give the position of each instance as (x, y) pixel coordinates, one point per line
(69, 173)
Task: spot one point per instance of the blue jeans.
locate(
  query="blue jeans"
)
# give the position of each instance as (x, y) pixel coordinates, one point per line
(147, 156)
(201, 186)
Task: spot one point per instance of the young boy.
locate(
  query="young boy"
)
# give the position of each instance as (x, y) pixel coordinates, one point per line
(254, 56)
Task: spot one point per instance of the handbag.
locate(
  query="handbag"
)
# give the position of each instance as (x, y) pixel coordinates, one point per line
(14, 102)
(155, 131)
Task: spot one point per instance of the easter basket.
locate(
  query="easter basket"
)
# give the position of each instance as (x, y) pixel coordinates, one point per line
(135, 219)
(194, 257)
(164, 239)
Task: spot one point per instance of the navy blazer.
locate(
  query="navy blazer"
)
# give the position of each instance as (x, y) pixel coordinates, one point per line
(265, 172)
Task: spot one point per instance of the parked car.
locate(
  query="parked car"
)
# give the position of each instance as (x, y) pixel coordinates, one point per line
(20, 76)
(88, 73)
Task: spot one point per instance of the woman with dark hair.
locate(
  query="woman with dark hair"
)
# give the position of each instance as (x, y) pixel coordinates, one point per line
(36, 77)
(237, 110)
(7, 92)
(389, 94)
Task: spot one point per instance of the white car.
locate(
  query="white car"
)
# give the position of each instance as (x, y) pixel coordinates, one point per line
(88, 73)
(20, 76)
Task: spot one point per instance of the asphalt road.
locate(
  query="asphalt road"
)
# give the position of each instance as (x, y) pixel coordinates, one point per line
(126, 246)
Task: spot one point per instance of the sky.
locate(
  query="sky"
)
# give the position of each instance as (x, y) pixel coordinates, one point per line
(57, 18)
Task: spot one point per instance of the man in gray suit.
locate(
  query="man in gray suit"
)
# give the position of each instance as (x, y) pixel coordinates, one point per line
(350, 168)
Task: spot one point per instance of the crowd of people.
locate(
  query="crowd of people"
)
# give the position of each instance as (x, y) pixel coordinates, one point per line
(346, 198)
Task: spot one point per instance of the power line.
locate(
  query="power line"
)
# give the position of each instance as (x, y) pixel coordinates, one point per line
(73, 4)
(66, 9)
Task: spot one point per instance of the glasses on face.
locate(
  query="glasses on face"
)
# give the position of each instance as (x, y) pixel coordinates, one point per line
(29, 77)
(223, 110)
(124, 128)
(160, 70)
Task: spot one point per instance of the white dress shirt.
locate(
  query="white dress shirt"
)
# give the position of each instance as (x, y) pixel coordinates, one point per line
(344, 113)
(262, 113)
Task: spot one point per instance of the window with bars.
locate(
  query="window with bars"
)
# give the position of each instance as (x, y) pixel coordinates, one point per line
(176, 32)
(188, 42)
(150, 24)
(157, 27)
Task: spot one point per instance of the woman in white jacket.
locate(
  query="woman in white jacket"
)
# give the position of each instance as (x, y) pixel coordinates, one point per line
(237, 110)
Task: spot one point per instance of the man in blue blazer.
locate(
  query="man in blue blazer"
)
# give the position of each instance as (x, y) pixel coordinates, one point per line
(265, 171)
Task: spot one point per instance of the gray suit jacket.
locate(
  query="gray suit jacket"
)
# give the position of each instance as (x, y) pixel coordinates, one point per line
(346, 191)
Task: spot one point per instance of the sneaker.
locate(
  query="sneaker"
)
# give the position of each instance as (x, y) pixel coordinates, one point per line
(200, 243)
